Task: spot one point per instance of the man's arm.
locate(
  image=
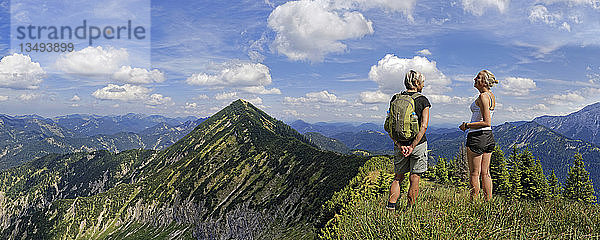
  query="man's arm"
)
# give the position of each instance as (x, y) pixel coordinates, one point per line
(395, 143)
(421, 133)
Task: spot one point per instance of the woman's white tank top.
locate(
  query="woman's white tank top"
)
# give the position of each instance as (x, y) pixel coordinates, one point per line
(478, 117)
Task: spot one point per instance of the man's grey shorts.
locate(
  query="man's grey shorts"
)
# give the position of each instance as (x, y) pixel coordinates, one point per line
(416, 162)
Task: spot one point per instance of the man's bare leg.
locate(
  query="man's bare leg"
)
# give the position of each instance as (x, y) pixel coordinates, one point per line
(395, 188)
(413, 190)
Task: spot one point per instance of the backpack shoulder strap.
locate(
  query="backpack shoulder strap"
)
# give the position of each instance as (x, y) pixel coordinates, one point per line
(416, 95)
(395, 96)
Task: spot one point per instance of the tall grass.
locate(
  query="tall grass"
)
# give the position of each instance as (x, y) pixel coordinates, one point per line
(445, 212)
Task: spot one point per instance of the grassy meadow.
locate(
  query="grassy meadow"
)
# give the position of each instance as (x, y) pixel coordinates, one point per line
(445, 212)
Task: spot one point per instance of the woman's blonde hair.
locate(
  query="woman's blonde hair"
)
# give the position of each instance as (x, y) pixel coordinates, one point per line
(411, 78)
(489, 78)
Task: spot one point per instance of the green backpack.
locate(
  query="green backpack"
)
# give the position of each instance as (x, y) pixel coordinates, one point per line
(402, 121)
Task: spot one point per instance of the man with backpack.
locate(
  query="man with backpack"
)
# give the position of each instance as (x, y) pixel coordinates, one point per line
(406, 124)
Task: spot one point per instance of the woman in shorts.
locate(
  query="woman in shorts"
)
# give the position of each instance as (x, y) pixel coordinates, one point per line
(480, 140)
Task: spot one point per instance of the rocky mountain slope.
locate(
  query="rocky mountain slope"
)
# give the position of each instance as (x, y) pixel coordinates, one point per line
(239, 174)
(583, 124)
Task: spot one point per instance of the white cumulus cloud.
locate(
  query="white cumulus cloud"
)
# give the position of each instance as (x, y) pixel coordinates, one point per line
(436, 98)
(127, 74)
(125, 92)
(255, 101)
(566, 26)
(565, 99)
(478, 7)
(261, 90)
(404, 6)
(316, 97)
(424, 52)
(291, 112)
(28, 96)
(131, 93)
(226, 96)
(17, 71)
(539, 13)
(374, 97)
(3, 98)
(390, 70)
(355, 115)
(202, 97)
(250, 77)
(189, 105)
(308, 30)
(517, 86)
(539, 107)
(92, 61)
(157, 99)
(592, 3)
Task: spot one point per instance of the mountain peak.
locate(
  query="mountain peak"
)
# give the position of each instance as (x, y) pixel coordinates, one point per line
(242, 107)
(243, 120)
(241, 103)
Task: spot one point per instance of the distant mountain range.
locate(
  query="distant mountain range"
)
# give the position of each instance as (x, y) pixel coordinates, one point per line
(367, 136)
(553, 140)
(240, 174)
(24, 138)
(583, 124)
(330, 129)
(85, 125)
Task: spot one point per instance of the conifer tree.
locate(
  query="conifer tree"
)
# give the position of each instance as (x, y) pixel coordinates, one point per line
(451, 166)
(533, 181)
(430, 173)
(461, 167)
(516, 189)
(512, 160)
(578, 185)
(554, 186)
(441, 171)
(541, 185)
(499, 172)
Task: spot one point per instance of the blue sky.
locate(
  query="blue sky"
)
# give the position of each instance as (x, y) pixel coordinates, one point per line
(318, 60)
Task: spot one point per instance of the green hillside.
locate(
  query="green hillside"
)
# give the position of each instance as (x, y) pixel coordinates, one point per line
(445, 212)
(326, 143)
(239, 174)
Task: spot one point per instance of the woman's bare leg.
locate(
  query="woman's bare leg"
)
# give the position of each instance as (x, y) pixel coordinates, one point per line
(486, 179)
(475, 170)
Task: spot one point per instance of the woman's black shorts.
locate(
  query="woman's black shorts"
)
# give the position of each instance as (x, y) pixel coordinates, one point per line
(481, 141)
